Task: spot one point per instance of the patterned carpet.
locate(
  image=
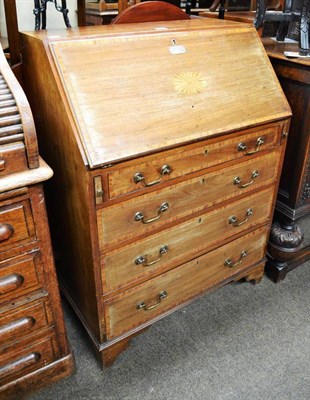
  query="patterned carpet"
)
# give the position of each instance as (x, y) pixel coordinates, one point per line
(242, 342)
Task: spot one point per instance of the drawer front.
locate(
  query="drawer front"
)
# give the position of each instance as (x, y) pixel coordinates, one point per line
(19, 276)
(148, 300)
(12, 158)
(153, 170)
(16, 225)
(123, 221)
(27, 356)
(24, 321)
(179, 244)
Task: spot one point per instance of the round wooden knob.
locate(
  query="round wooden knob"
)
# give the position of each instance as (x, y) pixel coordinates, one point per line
(6, 231)
(10, 282)
(2, 164)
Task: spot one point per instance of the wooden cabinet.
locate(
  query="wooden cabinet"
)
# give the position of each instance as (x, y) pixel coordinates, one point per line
(33, 347)
(167, 141)
(288, 247)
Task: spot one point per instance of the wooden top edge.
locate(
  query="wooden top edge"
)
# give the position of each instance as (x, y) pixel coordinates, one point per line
(26, 178)
(276, 50)
(94, 163)
(143, 27)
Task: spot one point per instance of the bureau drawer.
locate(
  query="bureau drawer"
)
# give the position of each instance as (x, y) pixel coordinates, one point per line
(148, 300)
(26, 356)
(24, 321)
(19, 276)
(139, 216)
(16, 225)
(180, 243)
(152, 170)
(12, 158)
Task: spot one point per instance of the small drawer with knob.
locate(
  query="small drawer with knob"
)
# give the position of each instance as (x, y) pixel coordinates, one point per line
(20, 276)
(16, 225)
(12, 158)
(142, 215)
(152, 171)
(24, 321)
(25, 356)
(157, 296)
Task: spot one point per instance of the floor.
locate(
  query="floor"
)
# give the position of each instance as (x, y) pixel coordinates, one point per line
(242, 342)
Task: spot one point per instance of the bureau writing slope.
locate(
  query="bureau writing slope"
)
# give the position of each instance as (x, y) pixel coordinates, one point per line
(166, 141)
(34, 350)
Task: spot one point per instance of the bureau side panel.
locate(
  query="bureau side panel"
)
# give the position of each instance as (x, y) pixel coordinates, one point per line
(68, 193)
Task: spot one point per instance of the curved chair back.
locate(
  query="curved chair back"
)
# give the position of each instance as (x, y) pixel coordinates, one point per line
(150, 11)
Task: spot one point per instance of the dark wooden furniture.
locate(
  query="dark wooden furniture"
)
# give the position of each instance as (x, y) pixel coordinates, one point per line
(40, 8)
(104, 13)
(296, 13)
(287, 246)
(166, 171)
(268, 28)
(34, 351)
(242, 10)
(13, 38)
(150, 11)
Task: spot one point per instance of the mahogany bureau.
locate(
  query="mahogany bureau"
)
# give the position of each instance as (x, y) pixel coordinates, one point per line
(33, 346)
(167, 141)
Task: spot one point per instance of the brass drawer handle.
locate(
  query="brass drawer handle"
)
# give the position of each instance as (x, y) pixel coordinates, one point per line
(234, 220)
(237, 180)
(230, 264)
(143, 260)
(243, 147)
(162, 295)
(6, 231)
(139, 177)
(139, 216)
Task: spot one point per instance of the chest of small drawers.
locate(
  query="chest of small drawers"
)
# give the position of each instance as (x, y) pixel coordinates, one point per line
(167, 141)
(34, 351)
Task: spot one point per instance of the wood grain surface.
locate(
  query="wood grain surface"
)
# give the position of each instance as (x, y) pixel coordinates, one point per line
(34, 350)
(190, 239)
(194, 98)
(124, 99)
(117, 224)
(182, 283)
